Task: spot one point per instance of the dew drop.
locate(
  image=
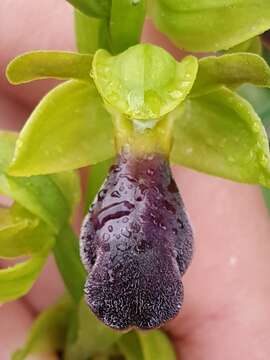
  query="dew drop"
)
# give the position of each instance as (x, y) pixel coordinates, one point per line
(125, 232)
(106, 237)
(116, 194)
(110, 228)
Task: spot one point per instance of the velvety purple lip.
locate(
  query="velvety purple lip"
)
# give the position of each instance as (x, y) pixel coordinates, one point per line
(136, 243)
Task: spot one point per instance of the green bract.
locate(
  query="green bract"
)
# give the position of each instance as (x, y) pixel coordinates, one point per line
(69, 129)
(231, 70)
(210, 25)
(144, 82)
(220, 134)
(45, 64)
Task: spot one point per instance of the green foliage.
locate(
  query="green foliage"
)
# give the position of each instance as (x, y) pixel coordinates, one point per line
(67, 257)
(48, 333)
(253, 45)
(231, 70)
(37, 65)
(156, 345)
(91, 336)
(69, 129)
(220, 134)
(144, 82)
(210, 25)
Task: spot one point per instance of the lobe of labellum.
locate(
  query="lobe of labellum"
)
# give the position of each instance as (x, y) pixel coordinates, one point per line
(136, 243)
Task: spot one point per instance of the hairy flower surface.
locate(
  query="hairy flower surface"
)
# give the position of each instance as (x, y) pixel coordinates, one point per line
(136, 243)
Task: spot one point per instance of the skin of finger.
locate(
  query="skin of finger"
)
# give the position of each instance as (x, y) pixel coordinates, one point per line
(242, 292)
(15, 320)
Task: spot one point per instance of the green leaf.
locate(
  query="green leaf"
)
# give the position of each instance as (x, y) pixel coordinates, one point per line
(95, 8)
(253, 45)
(91, 33)
(17, 280)
(67, 257)
(92, 336)
(69, 129)
(21, 233)
(210, 25)
(220, 134)
(38, 194)
(130, 346)
(231, 70)
(123, 14)
(156, 345)
(266, 193)
(48, 333)
(37, 65)
(97, 177)
(144, 82)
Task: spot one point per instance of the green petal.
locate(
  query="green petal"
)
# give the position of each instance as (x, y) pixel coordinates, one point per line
(67, 256)
(92, 336)
(48, 332)
(17, 280)
(231, 70)
(207, 25)
(220, 134)
(49, 64)
(40, 195)
(96, 8)
(21, 233)
(144, 82)
(69, 129)
(156, 345)
(130, 346)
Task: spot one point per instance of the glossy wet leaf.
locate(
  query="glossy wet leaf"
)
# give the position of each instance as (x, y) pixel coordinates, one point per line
(69, 129)
(41, 195)
(156, 345)
(126, 23)
(210, 25)
(220, 134)
(92, 336)
(37, 65)
(231, 70)
(21, 233)
(17, 280)
(91, 33)
(48, 332)
(130, 346)
(96, 8)
(145, 81)
(66, 251)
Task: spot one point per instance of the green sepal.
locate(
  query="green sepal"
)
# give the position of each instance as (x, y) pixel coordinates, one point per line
(21, 233)
(144, 82)
(44, 196)
(253, 45)
(48, 332)
(36, 65)
(220, 134)
(210, 25)
(231, 70)
(70, 128)
(17, 280)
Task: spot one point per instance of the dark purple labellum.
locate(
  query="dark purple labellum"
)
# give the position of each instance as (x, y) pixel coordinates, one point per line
(136, 243)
